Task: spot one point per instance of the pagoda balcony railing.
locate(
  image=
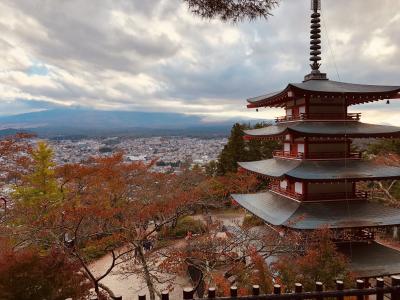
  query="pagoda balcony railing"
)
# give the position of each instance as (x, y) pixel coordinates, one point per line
(317, 155)
(358, 195)
(288, 154)
(333, 155)
(320, 116)
(277, 189)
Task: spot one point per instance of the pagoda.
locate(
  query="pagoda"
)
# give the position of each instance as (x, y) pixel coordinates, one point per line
(314, 179)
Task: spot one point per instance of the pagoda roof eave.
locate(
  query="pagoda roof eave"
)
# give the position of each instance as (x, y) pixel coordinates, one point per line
(352, 129)
(322, 171)
(278, 210)
(355, 93)
(371, 259)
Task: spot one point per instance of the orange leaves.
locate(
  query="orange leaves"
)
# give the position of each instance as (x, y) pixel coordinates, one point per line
(26, 274)
(320, 262)
(217, 188)
(14, 158)
(261, 273)
(389, 159)
(222, 285)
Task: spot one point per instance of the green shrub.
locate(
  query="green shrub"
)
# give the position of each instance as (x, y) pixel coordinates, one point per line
(96, 249)
(92, 252)
(183, 226)
(252, 221)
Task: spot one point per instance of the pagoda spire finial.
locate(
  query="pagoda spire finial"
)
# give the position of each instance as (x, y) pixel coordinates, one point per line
(315, 42)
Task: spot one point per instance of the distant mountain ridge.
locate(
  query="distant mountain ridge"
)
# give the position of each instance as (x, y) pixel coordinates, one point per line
(100, 119)
(56, 122)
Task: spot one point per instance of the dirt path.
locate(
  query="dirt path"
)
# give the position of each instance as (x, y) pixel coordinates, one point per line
(230, 218)
(129, 287)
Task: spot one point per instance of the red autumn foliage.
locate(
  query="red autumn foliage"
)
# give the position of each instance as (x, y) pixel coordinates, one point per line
(261, 274)
(222, 285)
(14, 158)
(320, 262)
(388, 159)
(29, 275)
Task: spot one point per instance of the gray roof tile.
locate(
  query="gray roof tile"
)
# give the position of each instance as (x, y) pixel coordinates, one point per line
(278, 210)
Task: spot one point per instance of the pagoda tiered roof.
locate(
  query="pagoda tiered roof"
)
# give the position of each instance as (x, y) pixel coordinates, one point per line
(327, 129)
(353, 93)
(322, 170)
(278, 210)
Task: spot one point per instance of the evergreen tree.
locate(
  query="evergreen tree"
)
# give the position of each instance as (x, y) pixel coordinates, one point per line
(235, 11)
(233, 152)
(40, 190)
(260, 149)
(237, 149)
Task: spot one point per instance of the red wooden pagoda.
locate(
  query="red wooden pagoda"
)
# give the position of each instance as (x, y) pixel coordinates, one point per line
(314, 177)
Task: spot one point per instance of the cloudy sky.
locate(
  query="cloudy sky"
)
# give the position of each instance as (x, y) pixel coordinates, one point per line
(153, 55)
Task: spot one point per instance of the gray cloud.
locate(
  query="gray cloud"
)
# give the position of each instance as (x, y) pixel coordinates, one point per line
(154, 55)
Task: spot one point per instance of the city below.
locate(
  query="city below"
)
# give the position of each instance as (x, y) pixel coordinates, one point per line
(169, 153)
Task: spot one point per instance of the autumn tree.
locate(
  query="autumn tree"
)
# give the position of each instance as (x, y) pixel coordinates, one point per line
(216, 191)
(29, 275)
(237, 252)
(103, 207)
(36, 199)
(385, 152)
(117, 208)
(232, 10)
(93, 216)
(74, 209)
(387, 191)
(385, 147)
(158, 203)
(15, 162)
(320, 261)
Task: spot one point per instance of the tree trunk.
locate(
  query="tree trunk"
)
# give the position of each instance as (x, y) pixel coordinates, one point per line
(97, 289)
(146, 273)
(395, 233)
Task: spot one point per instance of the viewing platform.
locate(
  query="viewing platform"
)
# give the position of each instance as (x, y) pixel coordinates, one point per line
(320, 117)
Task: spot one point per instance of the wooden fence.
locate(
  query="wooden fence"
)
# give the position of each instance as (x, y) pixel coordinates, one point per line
(380, 291)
